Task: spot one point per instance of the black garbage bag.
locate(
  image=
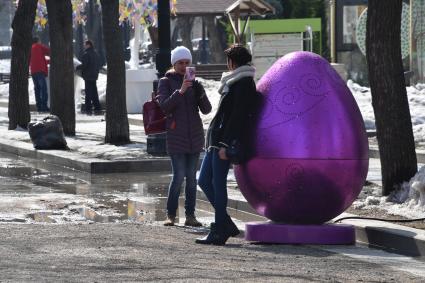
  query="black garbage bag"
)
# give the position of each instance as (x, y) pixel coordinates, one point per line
(47, 133)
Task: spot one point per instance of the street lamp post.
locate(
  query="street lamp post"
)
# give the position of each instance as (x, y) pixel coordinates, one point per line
(156, 144)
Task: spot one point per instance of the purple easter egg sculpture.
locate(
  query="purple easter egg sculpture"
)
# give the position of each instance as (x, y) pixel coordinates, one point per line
(311, 156)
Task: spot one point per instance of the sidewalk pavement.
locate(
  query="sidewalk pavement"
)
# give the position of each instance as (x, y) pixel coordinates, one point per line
(392, 237)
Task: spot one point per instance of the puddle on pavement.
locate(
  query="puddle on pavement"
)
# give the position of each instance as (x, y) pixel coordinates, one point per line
(31, 194)
(32, 191)
(43, 216)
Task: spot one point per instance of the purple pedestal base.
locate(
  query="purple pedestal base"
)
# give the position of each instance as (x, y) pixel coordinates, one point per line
(325, 234)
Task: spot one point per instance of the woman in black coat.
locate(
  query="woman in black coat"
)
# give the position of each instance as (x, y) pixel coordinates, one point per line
(230, 124)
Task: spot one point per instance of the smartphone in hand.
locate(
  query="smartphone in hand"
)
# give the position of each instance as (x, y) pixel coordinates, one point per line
(190, 73)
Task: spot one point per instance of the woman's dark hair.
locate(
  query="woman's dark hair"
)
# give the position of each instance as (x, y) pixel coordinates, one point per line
(35, 39)
(239, 55)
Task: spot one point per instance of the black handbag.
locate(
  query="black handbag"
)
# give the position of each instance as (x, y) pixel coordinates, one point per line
(235, 152)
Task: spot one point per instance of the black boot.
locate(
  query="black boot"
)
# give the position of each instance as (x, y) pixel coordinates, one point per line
(208, 239)
(231, 227)
(221, 235)
(216, 236)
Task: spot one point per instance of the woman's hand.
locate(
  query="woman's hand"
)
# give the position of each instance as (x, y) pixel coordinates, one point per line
(222, 153)
(198, 89)
(185, 85)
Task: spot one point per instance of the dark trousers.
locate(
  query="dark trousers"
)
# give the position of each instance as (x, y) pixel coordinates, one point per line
(40, 91)
(92, 97)
(184, 166)
(213, 181)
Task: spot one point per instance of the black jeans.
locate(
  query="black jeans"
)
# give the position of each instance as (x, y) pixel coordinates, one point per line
(92, 97)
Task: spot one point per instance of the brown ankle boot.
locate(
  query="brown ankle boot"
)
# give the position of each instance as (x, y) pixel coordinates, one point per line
(191, 221)
(170, 220)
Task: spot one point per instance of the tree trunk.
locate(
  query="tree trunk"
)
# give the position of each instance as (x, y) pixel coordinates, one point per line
(117, 129)
(61, 73)
(79, 42)
(217, 54)
(44, 35)
(175, 34)
(23, 22)
(389, 97)
(153, 34)
(184, 24)
(94, 28)
(125, 33)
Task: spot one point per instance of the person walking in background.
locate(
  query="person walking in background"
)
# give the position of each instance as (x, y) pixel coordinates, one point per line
(90, 72)
(234, 121)
(39, 72)
(181, 99)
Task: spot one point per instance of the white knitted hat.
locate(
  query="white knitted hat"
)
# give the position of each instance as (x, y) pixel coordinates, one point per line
(180, 53)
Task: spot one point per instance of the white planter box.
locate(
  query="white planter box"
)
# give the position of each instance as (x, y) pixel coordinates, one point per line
(139, 85)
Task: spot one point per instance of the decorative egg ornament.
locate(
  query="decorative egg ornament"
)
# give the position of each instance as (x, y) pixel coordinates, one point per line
(311, 157)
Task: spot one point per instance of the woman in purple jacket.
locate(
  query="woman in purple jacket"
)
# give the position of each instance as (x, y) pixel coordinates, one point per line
(181, 100)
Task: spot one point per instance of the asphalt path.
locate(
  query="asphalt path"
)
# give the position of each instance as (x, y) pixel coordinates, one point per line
(141, 252)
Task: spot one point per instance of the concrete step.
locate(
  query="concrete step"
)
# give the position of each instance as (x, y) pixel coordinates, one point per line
(210, 71)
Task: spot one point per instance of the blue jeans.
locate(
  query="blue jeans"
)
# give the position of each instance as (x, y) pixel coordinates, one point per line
(184, 166)
(213, 181)
(40, 91)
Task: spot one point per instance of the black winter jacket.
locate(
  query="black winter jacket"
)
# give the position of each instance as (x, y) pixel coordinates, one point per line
(90, 65)
(236, 116)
